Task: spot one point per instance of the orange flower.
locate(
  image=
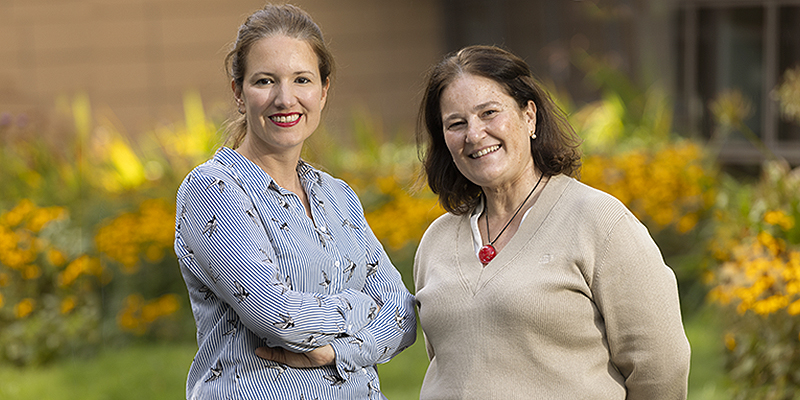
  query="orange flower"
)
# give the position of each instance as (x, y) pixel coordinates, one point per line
(24, 308)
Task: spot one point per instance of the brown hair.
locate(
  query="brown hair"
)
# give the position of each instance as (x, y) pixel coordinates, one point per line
(272, 20)
(555, 150)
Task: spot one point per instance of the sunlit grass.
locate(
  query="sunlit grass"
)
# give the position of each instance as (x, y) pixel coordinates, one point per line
(707, 380)
(153, 371)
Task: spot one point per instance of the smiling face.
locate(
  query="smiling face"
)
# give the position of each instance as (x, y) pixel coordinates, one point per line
(282, 95)
(487, 133)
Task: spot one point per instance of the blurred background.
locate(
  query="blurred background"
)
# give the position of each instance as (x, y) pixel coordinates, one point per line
(689, 112)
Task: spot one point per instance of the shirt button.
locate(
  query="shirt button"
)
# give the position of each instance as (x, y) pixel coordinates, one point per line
(337, 264)
(322, 228)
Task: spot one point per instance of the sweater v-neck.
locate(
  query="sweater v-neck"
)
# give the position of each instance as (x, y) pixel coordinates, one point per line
(475, 275)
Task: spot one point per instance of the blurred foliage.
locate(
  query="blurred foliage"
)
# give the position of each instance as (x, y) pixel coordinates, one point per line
(788, 94)
(756, 282)
(86, 230)
(48, 298)
(754, 261)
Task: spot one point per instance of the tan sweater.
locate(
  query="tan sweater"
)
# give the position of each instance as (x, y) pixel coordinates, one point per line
(578, 305)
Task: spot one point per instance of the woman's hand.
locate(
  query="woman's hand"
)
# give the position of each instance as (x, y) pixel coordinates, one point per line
(314, 358)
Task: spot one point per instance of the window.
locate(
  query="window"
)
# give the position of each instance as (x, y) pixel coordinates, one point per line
(746, 47)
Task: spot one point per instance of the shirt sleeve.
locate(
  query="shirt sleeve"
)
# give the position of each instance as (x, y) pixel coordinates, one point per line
(226, 247)
(637, 294)
(394, 327)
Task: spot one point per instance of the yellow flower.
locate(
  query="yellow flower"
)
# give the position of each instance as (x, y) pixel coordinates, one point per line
(127, 318)
(83, 265)
(730, 342)
(168, 304)
(794, 308)
(687, 222)
(16, 215)
(707, 277)
(779, 218)
(42, 216)
(770, 305)
(56, 258)
(24, 308)
(67, 304)
(31, 271)
(775, 246)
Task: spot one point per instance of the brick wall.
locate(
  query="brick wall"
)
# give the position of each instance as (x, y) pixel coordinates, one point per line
(136, 58)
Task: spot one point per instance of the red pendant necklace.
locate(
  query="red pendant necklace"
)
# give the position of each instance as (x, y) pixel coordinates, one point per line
(488, 252)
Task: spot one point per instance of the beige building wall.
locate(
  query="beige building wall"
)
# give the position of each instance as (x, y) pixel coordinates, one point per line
(136, 58)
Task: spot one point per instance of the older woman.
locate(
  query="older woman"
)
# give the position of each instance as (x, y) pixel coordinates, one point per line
(533, 285)
(293, 296)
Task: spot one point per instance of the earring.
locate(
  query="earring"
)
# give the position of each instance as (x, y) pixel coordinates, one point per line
(241, 107)
(533, 135)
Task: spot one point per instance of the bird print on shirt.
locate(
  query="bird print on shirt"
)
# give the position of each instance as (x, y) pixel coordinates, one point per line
(372, 268)
(311, 340)
(241, 294)
(267, 258)
(323, 236)
(399, 319)
(252, 214)
(211, 226)
(219, 183)
(350, 267)
(287, 322)
(371, 390)
(285, 284)
(372, 312)
(181, 215)
(214, 276)
(318, 176)
(357, 341)
(207, 292)
(325, 281)
(189, 252)
(233, 328)
(334, 379)
(278, 367)
(283, 203)
(283, 225)
(346, 222)
(216, 372)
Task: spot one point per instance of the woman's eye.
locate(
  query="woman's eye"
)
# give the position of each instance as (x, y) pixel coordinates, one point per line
(489, 112)
(455, 125)
(303, 80)
(264, 81)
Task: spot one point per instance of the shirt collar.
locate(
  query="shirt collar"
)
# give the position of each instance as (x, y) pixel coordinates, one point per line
(257, 176)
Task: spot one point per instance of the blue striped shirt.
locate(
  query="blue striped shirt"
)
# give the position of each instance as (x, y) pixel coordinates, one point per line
(259, 272)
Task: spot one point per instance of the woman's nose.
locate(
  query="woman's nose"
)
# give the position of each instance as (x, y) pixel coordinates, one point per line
(474, 132)
(285, 96)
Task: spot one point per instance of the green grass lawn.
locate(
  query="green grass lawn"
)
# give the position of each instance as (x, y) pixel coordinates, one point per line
(158, 371)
